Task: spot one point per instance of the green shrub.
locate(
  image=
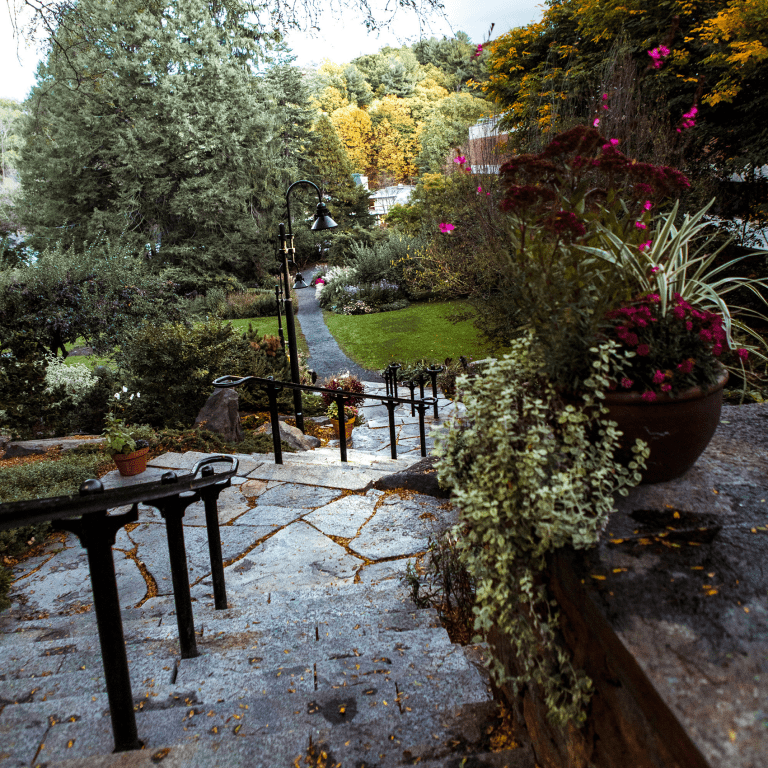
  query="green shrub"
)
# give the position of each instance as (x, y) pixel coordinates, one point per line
(530, 474)
(173, 367)
(197, 439)
(23, 397)
(244, 304)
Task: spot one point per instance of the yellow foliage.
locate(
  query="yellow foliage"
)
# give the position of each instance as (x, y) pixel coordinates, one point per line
(356, 133)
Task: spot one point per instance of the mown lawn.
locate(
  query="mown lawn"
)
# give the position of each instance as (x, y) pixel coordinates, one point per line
(263, 325)
(419, 331)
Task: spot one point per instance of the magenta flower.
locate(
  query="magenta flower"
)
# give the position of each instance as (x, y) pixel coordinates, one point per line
(643, 350)
(648, 396)
(647, 205)
(460, 159)
(646, 244)
(596, 122)
(742, 353)
(666, 387)
(654, 298)
(663, 50)
(444, 227)
(627, 383)
(686, 366)
(479, 189)
(658, 377)
(641, 225)
(655, 269)
(605, 97)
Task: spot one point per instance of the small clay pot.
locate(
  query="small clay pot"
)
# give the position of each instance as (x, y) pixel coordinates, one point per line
(131, 464)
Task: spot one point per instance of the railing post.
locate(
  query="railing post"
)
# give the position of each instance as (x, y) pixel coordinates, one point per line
(433, 371)
(411, 386)
(172, 510)
(210, 499)
(421, 384)
(391, 405)
(272, 390)
(395, 368)
(279, 320)
(422, 406)
(342, 427)
(96, 532)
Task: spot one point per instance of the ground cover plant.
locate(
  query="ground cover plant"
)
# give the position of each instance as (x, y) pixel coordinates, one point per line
(419, 331)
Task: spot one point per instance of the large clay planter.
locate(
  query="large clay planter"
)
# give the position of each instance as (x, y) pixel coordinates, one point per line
(677, 430)
(348, 427)
(131, 464)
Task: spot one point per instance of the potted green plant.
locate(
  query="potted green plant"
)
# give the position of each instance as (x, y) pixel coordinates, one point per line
(593, 261)
(350, 416)
(129, 454)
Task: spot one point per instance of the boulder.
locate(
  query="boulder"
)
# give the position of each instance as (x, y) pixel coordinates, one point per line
(420, 477)
(220, 415)
(293, 436)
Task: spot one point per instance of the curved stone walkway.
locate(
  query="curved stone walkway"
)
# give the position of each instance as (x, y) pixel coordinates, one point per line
(325, 355)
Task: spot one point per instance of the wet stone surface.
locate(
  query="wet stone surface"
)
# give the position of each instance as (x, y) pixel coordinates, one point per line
(682, 577)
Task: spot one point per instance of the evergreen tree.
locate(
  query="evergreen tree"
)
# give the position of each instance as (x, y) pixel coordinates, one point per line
(168, 142)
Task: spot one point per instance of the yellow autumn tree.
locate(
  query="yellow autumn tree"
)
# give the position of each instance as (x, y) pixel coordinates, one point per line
(736, 38)
(356, 133)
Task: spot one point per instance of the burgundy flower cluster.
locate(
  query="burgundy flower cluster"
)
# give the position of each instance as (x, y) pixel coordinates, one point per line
(541, 188)
(669, 349)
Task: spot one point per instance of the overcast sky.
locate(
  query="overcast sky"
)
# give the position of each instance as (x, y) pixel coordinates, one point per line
(339, 41)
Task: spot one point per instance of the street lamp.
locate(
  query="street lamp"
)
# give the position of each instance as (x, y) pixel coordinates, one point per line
(322, 221)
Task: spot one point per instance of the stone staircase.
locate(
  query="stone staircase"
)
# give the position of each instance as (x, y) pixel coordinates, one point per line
(309, 667)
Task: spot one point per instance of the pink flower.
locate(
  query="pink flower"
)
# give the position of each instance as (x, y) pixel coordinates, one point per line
(686, 366)
(647, 205)
(689, 325)
(444, 227)
(596, 122)
(646, 244)
(460, 159)
(654, 298)
(605, 97)
(641, 225)
(658, 377)
(648, 396)
(655, 269)
(679, 313)
(627, 383)
(643, 350)
(479, 189)
(663, 50)
(742, 353)
(666, 387)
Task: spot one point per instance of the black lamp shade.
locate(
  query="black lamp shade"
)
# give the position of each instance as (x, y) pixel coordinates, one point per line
(323, 219)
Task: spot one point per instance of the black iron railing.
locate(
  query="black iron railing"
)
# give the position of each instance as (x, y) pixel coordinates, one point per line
(390, 400)
(86, 516)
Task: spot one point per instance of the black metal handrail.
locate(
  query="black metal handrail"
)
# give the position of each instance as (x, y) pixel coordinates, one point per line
(390, 400)
(85, 515)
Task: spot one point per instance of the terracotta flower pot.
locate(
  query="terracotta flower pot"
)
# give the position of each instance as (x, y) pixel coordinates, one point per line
(348, 427)
(131, 463)
(677, 429)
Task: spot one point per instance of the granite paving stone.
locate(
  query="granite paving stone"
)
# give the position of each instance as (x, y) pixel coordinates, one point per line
(344, 517)
(400, 527)
(295, 495)
(313, 557)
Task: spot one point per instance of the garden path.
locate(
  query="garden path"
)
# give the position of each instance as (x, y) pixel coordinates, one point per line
(325, 355)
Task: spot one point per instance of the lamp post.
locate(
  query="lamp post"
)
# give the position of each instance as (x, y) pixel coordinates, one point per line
(322, 221)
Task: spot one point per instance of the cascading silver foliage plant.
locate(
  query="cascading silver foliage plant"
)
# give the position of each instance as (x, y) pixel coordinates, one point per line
(531, 473)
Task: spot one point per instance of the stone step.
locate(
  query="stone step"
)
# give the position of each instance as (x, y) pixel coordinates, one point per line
(356, 721)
